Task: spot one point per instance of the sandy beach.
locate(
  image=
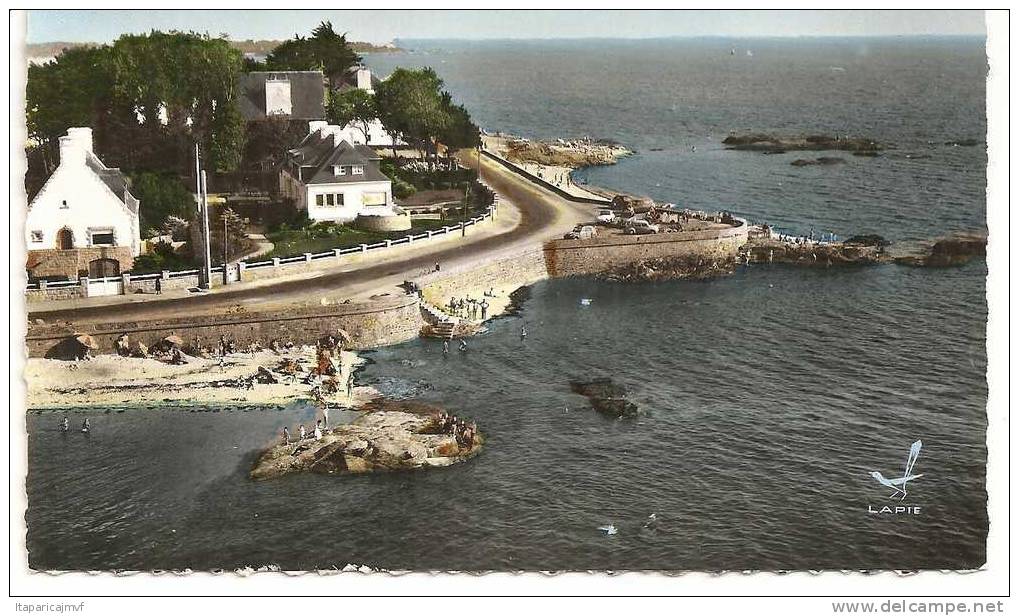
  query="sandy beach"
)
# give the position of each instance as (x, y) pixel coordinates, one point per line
(111, 381)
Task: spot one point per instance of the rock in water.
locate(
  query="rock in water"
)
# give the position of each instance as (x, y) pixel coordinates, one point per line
(606, 397)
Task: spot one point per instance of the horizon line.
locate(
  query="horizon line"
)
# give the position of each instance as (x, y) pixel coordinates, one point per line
(562, 38)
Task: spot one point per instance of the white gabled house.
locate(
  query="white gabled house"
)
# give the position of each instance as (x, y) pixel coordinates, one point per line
(84, 220)
(334, 179)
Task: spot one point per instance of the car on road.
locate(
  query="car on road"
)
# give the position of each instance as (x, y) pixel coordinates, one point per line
(639, 226)
(606, 217)
(581, 232)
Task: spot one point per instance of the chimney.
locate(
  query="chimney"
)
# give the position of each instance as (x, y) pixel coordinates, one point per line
(315, 126)
(72, 153)
(277, 96)
(364, 78)
(82, 136)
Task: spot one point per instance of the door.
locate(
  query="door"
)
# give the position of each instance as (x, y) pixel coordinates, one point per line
(65, 240)
(103, 268)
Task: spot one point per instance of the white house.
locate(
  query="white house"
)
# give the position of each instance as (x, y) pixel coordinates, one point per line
(334, 179)
(84, 220)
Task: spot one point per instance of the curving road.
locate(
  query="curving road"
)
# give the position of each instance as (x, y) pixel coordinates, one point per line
(542, 215)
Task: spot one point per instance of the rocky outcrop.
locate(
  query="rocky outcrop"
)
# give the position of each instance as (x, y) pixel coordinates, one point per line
(946, 252)
(673, 268)
(760, 142)
(572, 154)
(377, 441)
(814, 254)
(606, 397)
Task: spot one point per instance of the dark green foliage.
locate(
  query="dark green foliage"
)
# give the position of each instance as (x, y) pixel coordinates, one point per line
(188, 79)
(410, 104)
(353, 106)
(160, 195)
(324, 50)
(162, 257)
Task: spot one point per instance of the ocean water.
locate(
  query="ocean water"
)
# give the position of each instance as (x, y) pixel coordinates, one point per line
(766, 398)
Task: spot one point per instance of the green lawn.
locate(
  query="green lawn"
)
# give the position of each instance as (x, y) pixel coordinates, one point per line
(323, 237)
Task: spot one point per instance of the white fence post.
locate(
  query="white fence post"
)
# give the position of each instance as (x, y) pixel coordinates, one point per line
(336, 252)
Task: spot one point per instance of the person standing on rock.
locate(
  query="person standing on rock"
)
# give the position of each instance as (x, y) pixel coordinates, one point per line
(318, 430)
(286, 435)
(484, 309)
(350, 386)
(302, 432)
(325, 416)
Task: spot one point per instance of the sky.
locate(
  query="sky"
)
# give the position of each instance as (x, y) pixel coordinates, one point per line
(380, 26)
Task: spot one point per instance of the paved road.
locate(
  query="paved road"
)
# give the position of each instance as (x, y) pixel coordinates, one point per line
(542, 215)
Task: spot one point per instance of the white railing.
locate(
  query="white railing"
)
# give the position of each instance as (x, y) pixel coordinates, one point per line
(277, 262)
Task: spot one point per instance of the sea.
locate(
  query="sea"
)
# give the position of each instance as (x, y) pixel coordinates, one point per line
(766, 399)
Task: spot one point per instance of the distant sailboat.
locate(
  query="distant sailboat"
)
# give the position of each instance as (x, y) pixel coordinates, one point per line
(732, 52)
(750, 53)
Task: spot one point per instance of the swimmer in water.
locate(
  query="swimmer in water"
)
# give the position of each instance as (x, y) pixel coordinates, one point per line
(85, 425)
(523, 332)
(65, 424)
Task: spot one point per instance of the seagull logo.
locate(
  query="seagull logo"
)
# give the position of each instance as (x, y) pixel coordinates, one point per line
(899, 484)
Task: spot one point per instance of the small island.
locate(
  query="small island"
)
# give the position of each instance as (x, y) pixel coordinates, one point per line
(392, 437)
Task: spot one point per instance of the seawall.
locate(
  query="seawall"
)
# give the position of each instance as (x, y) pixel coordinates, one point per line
(369, 324)
(602, 254)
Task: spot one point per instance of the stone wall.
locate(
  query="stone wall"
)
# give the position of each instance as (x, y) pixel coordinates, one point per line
(520, 269)
(603, 253)
(370, 324)
(73, 262)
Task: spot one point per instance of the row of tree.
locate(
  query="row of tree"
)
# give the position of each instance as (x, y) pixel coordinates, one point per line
(148, 98)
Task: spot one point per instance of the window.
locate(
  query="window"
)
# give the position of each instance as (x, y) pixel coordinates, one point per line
(329, 200)
(36, 237)
(63, 205)
(320, 200)
(339, 170)
(374, 198)
(339, 199)
(101, 237)
(357, 170)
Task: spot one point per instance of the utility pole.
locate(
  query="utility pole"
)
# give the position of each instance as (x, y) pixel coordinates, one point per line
(225, 255)
(205, 279)
(207, 252)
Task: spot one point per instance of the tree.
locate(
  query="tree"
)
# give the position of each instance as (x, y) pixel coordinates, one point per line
(160, 197)
(148, 98)
(460, 131)
(410, 104)
(354, 106)
(67, 91)
(325, 50)
(267, 140)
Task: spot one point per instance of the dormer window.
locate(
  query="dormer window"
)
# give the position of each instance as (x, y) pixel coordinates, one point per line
(339, 170)
(357, 170)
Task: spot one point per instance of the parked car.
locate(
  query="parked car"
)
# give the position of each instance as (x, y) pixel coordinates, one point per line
(581, 232)
(606, 217)
(639, 226)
